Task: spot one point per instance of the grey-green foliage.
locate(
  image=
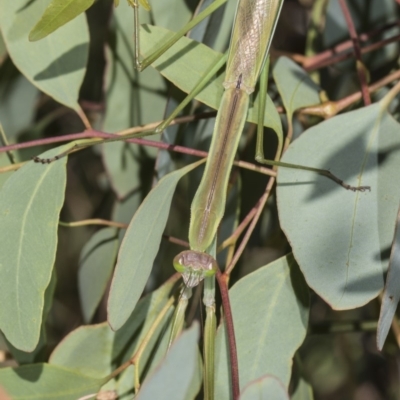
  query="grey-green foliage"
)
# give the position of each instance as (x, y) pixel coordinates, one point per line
(266, 388)
(44, 381)
(95, 267)
(270, 313)
(337, 235)
(126, 91)
(391, 294)
(295, 86)
(95, 349)
(174, 375)
(187, 70)
(56, 64)
(139, 248)
(31, 201)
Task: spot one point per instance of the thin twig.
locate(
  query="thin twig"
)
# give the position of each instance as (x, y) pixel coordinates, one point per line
(331, 108)
(344, 47)
(243, 244)
(93, 221)
(357, 52)
(230, 331)
(314, 64)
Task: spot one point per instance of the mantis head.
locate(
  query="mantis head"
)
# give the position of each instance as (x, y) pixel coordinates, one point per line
(195, 266)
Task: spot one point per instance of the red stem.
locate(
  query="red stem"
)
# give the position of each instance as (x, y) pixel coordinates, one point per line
(319, 62)
(357, 52)
(223, 287)
(102, 135)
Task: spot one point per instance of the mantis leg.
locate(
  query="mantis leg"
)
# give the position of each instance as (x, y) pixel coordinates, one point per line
(142, 65)
(260, 143)
(178, 319)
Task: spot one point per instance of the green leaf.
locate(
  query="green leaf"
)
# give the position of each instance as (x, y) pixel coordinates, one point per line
(4, 162)
(266, 388)
(174, 375)
(184, 65)
(93, 350)
(338, 236)
(132, 99)
(18, 99)
(297, 89)
(139, 248)
(391, 294)
(57, 64)
(270, 313)
(95, 267)
(44, 381)
(171, 15)
(38, 354)
(30, 204)
(57, 14)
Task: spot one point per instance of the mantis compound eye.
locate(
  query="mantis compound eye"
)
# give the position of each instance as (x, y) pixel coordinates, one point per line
(194, 266)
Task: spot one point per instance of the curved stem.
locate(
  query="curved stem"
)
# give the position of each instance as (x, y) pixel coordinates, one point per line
(223, 287)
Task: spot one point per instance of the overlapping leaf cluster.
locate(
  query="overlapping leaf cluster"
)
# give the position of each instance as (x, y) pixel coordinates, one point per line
(340, 239)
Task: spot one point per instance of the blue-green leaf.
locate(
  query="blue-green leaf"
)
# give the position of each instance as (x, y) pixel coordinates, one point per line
(174, 375)
(139, 248)
(391, 294)
(56, 64)
(93, 349)
(297, 89)
(30, 204)
(95, 267)
(338, 236)
(270, 314)
(44, 381)
(266, 388)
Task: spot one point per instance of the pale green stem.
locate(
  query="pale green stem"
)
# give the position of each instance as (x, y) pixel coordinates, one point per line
(209, 337)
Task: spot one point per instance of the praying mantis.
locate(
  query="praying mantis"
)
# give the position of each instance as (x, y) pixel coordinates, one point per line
(251, 38)
(253, 30)
(208, 208)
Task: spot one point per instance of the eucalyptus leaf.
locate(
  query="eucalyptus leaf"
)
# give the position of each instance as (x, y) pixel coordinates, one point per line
(95, 267)
(57, 64)
(173, 15)
(270, 314)
(4, 162)
(338, 236)
(18, 98)
(38, 354)
(44, 381)
(391, 294)
(132, 99)
(174, 375)
(57, 14)
(139, 248)
(96, 350)
(295, 86)
(30, 204)
(266, 388)
(184, 65)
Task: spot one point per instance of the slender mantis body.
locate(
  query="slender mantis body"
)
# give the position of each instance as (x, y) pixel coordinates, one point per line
(252, 33)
